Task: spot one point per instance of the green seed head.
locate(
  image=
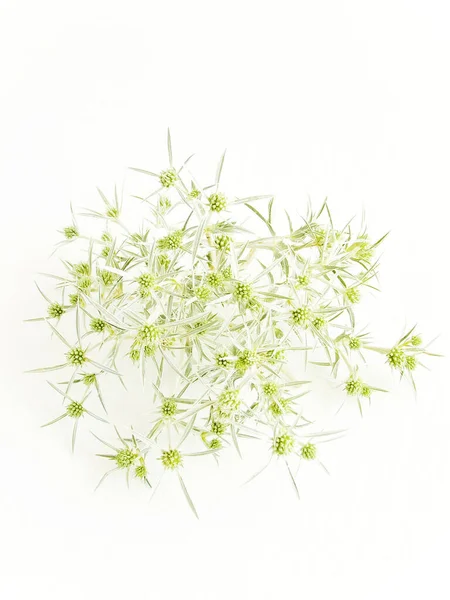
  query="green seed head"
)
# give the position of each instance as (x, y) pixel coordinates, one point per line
(89, 378)
(149, 350)
(354, 343)
(171, 459)
(135, 354)
(353, 295)
(301, 315)
(214, 280)
(215, 444)
(106, 237)
(227, 273)
(98, 325)
(217, 202)
(107, 278)
(243, 291)
(218, 428)
(283, 444)
(353, 386)
(56, 310)
(140, 471)
(222, 242)
(82, 269)
(172, 241)
(396, 358)
(75, 410)
(125, 458)
(246, 359)
(203, 293)
(148, 333)
(76, 356)
(302, 281)
(168, 178)
(223, 361)
(106, 251)
(168, 408)
(76, 299)
(279, 406)
(366, 391)
(411, 363)
(70, 232)
(308, 451)
(112, 212)
(416, 340)
(319, 322)
(270, 389)
(84, 283)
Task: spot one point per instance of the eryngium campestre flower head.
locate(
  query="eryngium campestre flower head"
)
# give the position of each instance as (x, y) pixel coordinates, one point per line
(168, 178)
(125, 458)
(75, 410)
(308, 451)
(283, 444)
(217, 202)
(76, 356)
(56, 310)
(171, 459)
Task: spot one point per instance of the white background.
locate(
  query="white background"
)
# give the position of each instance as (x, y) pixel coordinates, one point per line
(345, 99)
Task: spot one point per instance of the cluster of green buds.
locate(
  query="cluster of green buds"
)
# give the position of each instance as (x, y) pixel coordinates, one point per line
(222, 317)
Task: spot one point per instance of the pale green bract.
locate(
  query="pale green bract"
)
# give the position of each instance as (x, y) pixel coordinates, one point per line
(211, 311)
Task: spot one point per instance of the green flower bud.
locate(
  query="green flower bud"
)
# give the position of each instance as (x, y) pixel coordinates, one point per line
(270, 389)
(76, 299)
(98, 325)
(243, 291)
(75, 410)
(302, 281)
(125, 458)
(171, 459)
(203, 293)
(353, 295)
(318, 322)
(168, 408)
(218, 428)
(214, 280)
(279, 406)
(168, 178)
(70, 232)
(215, 444)
(107, 278)
(76, 356)
(354, 343)
(227, 273)
(283, 444)
(55, 310)
(416, 340)
(89, 379)
(411, 363)
(396, 358)
(217, 202)
(112, 212)
(140, 471)
(172, 241)
(308, 451)
(353, 386)
(223, 361)
(222, 242)
(246, 359)
(301, 315)
(148, 333)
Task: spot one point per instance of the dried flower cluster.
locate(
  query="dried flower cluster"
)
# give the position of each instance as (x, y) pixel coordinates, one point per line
(211, 314)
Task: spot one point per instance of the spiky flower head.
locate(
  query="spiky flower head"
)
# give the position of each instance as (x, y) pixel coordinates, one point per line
(227, 273)
(148, 333)
(302, 281)
(270, 389)
(279, 406)
(354, 343)
(396, 358)
(76, 356)
(140, 471)
(125, 458)
(301, 315)
(168, 408)
(222, 242)
(215, 444)
(308, 451)
(89, 378)
(98, 325)
(106, 277)
(217, 202)
(70, 232)
(56, 310)
(318, 322)
(416, 340)
(228, 402)
(218, 427)
(76, 299)
(203, 293)
(223, 361)
(283, 444)
(112, 212)
(171, 459)
(366, 391)
(353, 295)
(353, 386)
(411, 363)
(172, 241)
(246, 359)
(146, 283)
(75, 410)
(214, 280)
(168, 178)
(243, 291)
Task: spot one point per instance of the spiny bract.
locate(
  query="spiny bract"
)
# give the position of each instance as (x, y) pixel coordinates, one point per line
(221, 307)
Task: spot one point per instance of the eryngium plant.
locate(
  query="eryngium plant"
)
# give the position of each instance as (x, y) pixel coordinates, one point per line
(215, 317)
